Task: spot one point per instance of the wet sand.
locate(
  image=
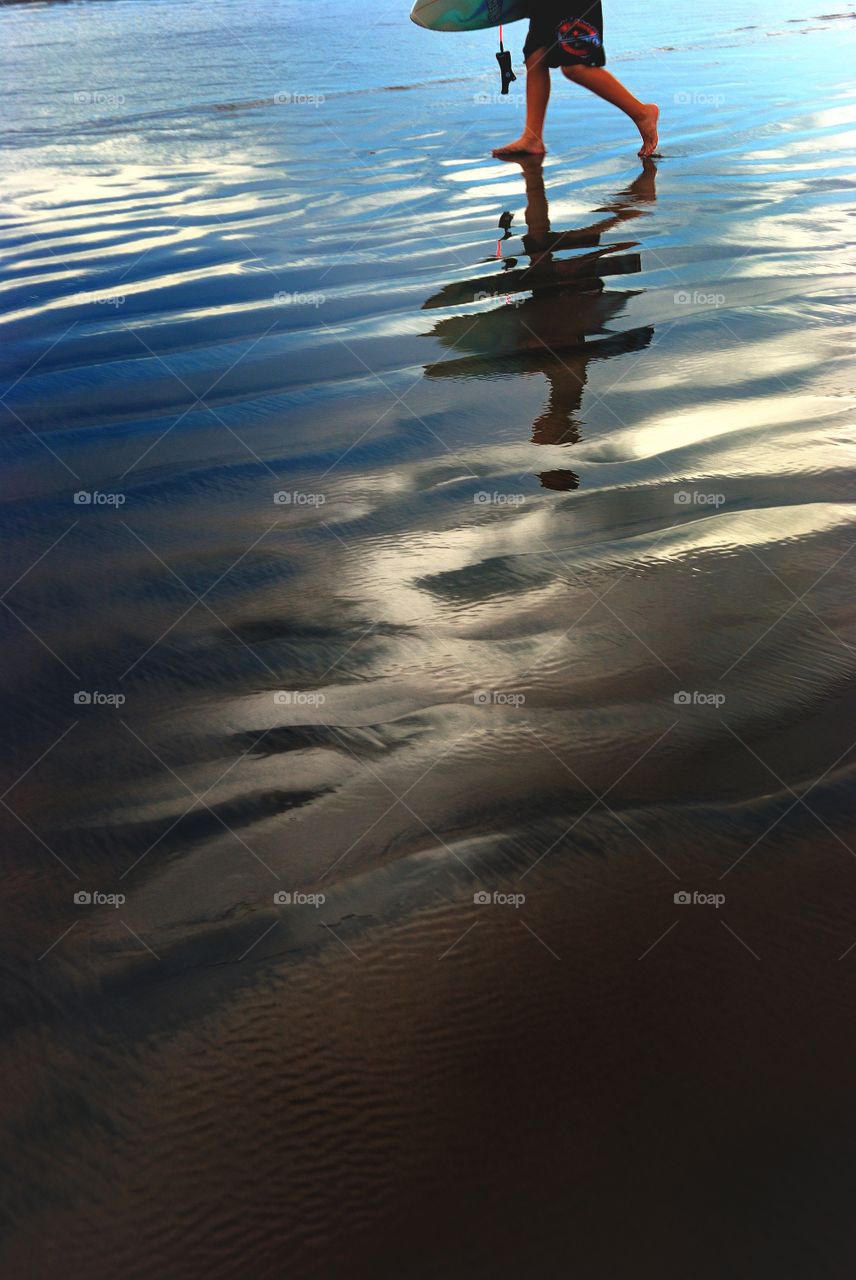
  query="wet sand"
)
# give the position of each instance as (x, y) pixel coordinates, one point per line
(449, 665)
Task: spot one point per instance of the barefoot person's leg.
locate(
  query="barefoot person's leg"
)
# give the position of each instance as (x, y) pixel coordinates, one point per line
(643, 114)
(531, 141)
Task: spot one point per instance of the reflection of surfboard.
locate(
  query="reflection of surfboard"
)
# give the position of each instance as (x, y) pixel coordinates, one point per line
(558, 275)
(467, 15)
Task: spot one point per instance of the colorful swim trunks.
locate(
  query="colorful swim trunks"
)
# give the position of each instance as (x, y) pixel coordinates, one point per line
(572, 33)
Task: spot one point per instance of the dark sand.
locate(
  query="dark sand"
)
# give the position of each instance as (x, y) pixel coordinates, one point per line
(559, 605)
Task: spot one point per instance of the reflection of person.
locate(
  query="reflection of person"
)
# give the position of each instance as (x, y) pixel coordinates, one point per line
(549, 332)
(558, 38)
(540, 243)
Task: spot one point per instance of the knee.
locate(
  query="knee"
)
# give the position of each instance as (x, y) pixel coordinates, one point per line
(537, 61)
(574, 73)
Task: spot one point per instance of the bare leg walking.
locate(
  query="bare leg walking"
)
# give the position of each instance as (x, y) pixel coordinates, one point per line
(531, 141)
(576, 46)
(643, 114)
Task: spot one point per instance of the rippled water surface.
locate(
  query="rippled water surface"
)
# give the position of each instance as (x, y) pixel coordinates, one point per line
(389, 523)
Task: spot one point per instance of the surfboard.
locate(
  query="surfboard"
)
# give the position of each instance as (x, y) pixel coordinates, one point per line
(467, 15)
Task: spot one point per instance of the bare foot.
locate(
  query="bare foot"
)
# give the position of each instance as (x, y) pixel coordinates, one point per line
(647, 126)
(526, 145)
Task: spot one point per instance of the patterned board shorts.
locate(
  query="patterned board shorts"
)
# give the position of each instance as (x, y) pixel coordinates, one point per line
(570, 40)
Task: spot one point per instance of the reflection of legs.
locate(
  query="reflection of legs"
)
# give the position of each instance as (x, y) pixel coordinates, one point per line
(563, 481)
(537, 213)
(626, 204)
(643, 114)
(643, 189)
(557, 424)
(531, 141)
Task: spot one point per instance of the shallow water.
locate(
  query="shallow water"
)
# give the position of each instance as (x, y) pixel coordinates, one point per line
(454, 527)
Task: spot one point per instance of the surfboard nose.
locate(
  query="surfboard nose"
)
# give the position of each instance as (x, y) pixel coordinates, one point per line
(467, 15)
